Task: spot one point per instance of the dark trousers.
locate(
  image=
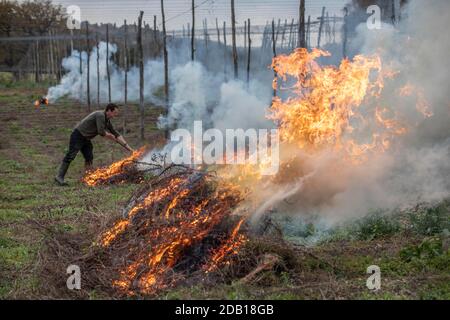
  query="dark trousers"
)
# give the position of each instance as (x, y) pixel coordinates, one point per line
(79, 143)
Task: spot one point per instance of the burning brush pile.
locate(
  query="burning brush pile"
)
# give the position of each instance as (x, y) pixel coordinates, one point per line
(125, 170)
(174, 225)
(179, 224)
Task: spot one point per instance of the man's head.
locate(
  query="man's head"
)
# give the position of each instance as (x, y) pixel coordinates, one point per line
(111, 110)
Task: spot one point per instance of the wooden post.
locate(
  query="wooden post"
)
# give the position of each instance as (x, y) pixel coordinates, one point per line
(107, 63)
(233, 31)
(245, 34)
(98, 71)
(166, 67)
(52, 62)
(71, 40)
(301, 25)
(193, 32)
(36, 61)
(205, 34)
(334, 28)
(141, 74)
(249, 51)
(263, 41)
(320, 27)
(154, 29)
(295, 37)
(328, 28)
(393, 12)
(125, 96)
(274, 55)
(344, 37)
(88, 92)
(225, 50)
(290, 34)
(283, 33)
(218, 32)
(277, 30)
(308, 33)
(81, 66)
(57, 54)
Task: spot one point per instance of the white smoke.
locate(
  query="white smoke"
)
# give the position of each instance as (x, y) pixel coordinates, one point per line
(198, 94)
(73, 84)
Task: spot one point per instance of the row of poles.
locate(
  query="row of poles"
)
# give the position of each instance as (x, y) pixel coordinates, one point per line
(301, 38)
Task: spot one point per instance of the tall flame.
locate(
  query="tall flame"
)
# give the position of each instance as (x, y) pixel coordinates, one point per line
(327, 102)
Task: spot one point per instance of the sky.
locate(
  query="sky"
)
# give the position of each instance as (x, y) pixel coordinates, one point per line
(178, 12)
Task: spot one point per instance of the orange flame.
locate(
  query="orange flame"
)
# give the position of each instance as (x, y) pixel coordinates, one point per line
(230, 246)
(181, 228)
(327, 102)
(100, 175)
(40, 102)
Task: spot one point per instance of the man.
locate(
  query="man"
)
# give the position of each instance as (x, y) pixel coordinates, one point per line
(96, 123)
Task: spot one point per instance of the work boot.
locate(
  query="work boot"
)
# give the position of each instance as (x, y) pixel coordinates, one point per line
(61, 173)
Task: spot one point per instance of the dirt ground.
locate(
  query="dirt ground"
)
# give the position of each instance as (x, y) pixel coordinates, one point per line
(411, 249)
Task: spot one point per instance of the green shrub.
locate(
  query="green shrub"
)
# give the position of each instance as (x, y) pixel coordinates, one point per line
(431, 221)
(375, 226)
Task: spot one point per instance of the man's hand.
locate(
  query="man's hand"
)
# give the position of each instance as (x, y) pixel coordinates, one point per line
(110, 136)
(122, 141)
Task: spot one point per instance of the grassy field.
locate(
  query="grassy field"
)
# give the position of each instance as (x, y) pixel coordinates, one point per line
(410, 247)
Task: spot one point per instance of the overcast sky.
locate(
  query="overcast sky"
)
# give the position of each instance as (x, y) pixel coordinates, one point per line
(178, 12)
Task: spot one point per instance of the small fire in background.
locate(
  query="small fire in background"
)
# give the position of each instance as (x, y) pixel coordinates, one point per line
(40, 102)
